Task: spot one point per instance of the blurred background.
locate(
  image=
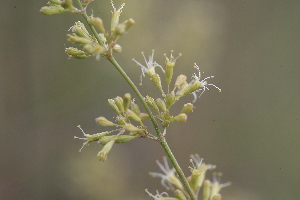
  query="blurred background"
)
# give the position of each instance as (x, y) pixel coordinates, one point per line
(250, 130)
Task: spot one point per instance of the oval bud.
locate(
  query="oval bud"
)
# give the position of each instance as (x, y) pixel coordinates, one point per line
(182, 117)
(161, 104)
(104, 122)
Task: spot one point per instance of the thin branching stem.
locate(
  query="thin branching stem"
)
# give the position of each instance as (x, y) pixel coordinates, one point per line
(162, 140)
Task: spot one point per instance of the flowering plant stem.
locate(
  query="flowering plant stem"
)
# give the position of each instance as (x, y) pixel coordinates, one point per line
(162, 139)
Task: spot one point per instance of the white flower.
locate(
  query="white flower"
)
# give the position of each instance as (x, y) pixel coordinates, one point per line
(150, 66)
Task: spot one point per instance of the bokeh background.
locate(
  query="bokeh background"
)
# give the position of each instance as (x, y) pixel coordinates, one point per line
(250, 130)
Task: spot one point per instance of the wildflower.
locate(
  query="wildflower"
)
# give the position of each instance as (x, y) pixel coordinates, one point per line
(203, 83)
(168, 179)
(150, 69)
(170, 63)
(106, 149)
(216, 186)
(115, 16)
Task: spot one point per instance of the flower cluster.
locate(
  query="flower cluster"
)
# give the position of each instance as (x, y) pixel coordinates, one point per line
(100, 44)
(196, 181)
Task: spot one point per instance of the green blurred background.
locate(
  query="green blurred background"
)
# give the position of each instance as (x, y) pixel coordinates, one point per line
(250, 130)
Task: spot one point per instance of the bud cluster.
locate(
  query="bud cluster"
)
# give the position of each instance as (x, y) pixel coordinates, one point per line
(181, 88)
(169, 179)
(127, 110)
(59, 6)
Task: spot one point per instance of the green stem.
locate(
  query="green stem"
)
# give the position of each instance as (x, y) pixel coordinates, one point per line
(162, 140)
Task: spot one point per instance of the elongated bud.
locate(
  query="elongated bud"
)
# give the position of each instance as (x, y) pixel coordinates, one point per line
(78, 40)
(94, 48)
(96, 22)
(119, 103)
(128, 24)
(113, 106)
(150, 101)
(117, 48)
(179, 195)
(80, 30)
(120, 29)
(106, 139)
(104, 122)
(170, 100)
(217, 197)
(180, 79)
(106, 149)
(161, 104)
(125, 138)
(76, 53)
(52, 10)
(132, 128)
(135, 108)
(67, 4)
(144, 116)
(182, 117)
(206, 190)
(195, 178)
(193, 86)
(170, 63)
(155, 78)
(187, 108)
(121, 120)
(182, 88)
(131, 115)
(126, 101)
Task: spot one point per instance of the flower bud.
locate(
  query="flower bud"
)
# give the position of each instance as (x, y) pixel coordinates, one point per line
(195, 178)
(68, 4)
(93, 48)
(113, 106)
(170, 100)
(216, 197)
(206, 190)
(144, 116)
(161, 104)
(126, 101)
(105, 139)
(170, 63)
(76, 53)
(187, 108)
(125, 138)
(52, 10)
(78, 40)
(155, 78)
(121, 120)
(96, 22)
(106, 149)
(120, 29)
(135, 108)
(131, 115)
(182, 88)
(117, 48)
(179, 195)
(193, 86)
(115, 16)
(150, 101)
(80, 30)
(56, 2)
(104, 122)
(119, 103)
(180, 79)
(182, 117)
(132, 128)
(128, 24)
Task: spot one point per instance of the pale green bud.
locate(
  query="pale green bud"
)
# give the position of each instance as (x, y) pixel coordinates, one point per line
(144, 116)
(150, 101)
(96, 22)
(52, 10)
(179, 195)
(104, 122)
(155, 78)
(96, 137)
(117, 48)
(195, 178)
(132, 128)
(113, 106)
(125, 138)
(78, 40)
(182, 117)
(193, 86)
(217, 197)
(120, 104)
(106, 149)
(105, 139)
(68, 4)
(135, 108)
(94, 48)
(120, 29)
(131, 115)
(182, 88)
(170, 100)
(206, 190)
(170, 63)
(126, 101)
(128, 24)
(161, 104)
(187, 108)
(121, 120)
(76, 53)
(180, 80)
(80, 30)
